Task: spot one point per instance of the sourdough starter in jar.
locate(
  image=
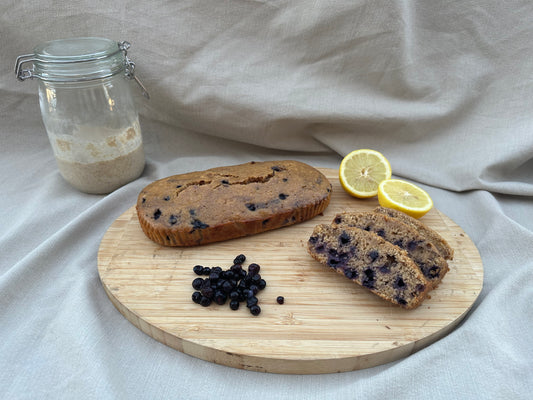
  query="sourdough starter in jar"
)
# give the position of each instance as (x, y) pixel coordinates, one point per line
(99, 160)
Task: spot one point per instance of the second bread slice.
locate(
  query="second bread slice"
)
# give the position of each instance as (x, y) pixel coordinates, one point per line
(421, 250)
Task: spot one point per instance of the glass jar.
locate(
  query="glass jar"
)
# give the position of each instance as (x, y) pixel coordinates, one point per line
(88, 110)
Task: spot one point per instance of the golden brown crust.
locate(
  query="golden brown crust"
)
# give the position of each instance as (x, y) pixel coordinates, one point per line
(229, 202)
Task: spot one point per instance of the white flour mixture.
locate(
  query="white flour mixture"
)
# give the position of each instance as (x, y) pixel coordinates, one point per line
(99, 160)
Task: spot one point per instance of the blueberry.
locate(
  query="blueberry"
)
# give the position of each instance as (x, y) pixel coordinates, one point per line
(197, 283)
(166, 198)
(214, 276)
(251, 301)
(205, 301)
(157, 213)
(224, 182)
(368, 279)
(401, 301)
(217, 270)
(276, 168)
(262, 284)
(208, 291)
(254, 288)
(255, 310)
(283, 196)
(344, 238)
(338, 219)
(333, 262)
(373, 254)
(234, 304)
(198, 269)
(220, 297)
(229, 274)
(196, 297)
(253, 269)
(256, 279)
(236, 268)
(413, 244)
(384, 269)
(280, 299)
(399, 243)
(399, 284)
(206, 271)
(241, 296)
(351, 273)
(239, 259)
(172, 220)
(197, 224)
(313, 239)
(233, 295)
(227, 286)
(250, 206)
(381, 232)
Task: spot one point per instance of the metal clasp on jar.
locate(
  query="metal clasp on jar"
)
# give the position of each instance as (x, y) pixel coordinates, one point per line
(23, 74)
(129, 67)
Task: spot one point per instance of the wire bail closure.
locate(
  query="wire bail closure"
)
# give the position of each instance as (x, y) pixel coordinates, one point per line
(129, 67)
(23, 74)
(123, 46)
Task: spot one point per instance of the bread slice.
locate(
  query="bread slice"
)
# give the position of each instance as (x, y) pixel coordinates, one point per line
(422, 251)
(369, 260)
(228, 202)
(437, 240)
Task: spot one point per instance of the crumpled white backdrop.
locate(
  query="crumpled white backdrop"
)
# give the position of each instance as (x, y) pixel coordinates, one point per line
(443, 89)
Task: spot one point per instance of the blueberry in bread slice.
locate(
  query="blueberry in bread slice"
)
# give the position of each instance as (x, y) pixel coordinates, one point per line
(438, 241)
(233, 201)
(370, 261)
(422, 251)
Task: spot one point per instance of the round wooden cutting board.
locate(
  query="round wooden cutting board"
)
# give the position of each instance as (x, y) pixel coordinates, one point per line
(327, 324)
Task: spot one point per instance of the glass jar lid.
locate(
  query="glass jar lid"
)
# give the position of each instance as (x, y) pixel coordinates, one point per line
(75, 60)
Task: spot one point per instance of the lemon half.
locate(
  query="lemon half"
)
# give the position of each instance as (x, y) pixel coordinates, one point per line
(404, 196)
(361, 172)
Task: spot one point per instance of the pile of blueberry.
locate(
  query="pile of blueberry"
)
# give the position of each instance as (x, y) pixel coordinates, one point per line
(234, 284)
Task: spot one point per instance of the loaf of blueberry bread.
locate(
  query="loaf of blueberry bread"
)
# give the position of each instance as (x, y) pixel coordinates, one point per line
(437, 240)
(422, 251)
(369, 260)
(228, 202)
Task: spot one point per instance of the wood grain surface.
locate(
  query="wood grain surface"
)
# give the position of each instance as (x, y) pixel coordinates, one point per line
(327, 324)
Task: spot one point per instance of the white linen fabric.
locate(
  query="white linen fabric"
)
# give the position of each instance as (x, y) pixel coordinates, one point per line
(443, 89)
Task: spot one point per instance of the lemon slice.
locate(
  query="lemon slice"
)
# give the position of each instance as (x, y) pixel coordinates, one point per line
(404, 196)
(362, 170)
